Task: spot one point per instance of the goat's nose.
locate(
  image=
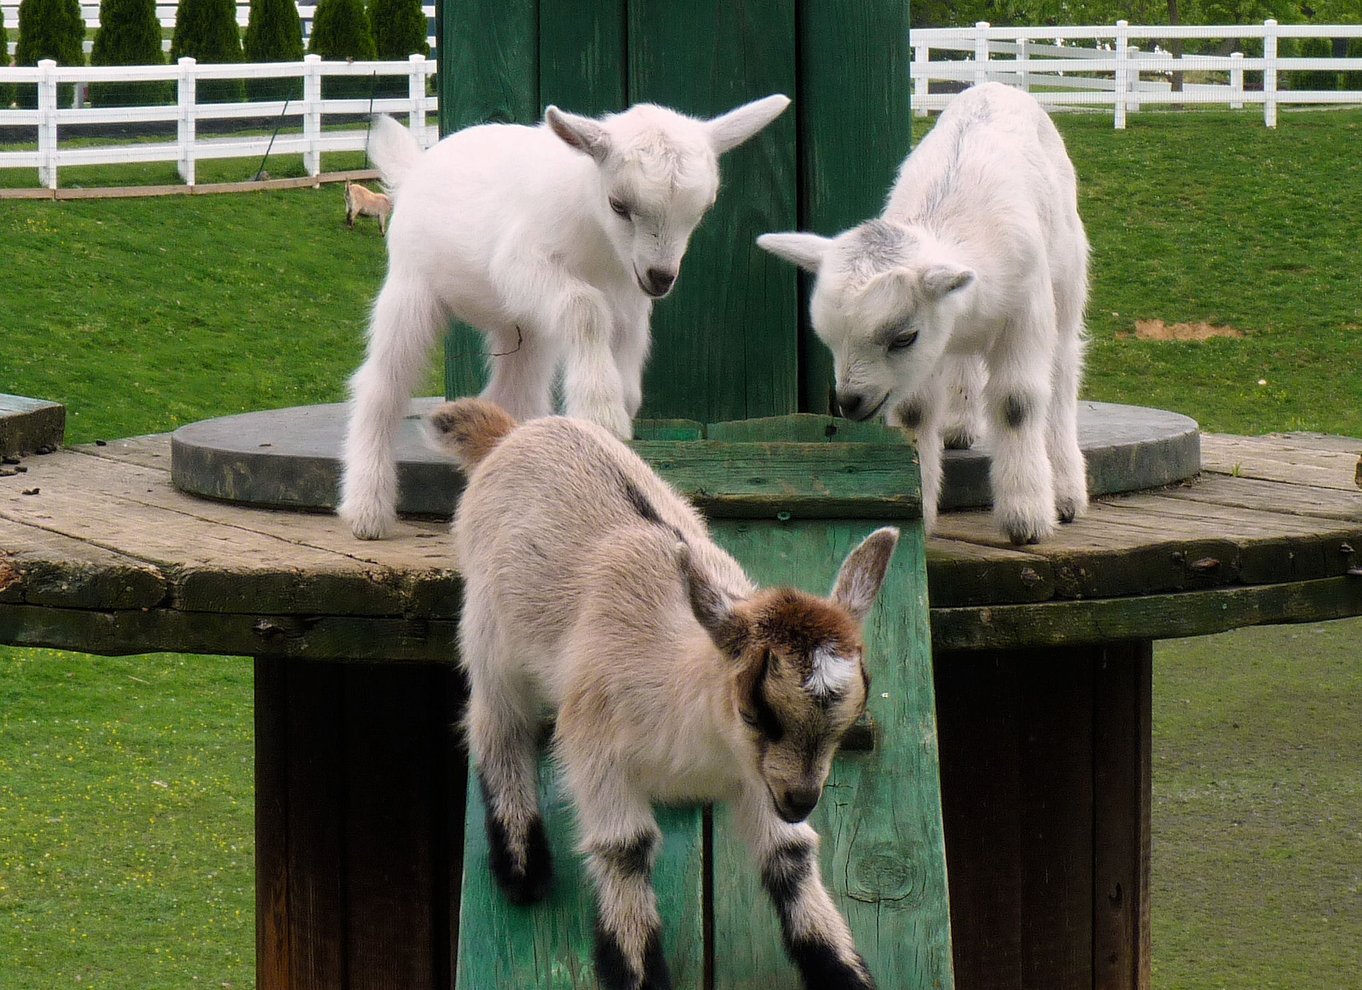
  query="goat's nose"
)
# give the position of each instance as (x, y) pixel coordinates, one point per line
(800, 801)
(660, 280)
(850, 404)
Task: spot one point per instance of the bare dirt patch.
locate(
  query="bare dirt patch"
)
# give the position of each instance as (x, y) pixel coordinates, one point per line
(1158, 330)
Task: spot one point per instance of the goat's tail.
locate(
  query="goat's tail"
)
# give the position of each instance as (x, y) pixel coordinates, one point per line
(393, 149)
(469, 429)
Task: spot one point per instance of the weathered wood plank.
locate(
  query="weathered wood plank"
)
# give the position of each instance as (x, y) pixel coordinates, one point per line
(1163, 616)
(1273, 459)
(581, 55)
(150, 451)
(1271, 496)
(214, 561)
(807, 480)
(805, 428)
(549, 945)
(960, 573)
(880, 817)
(43, 568)
(28, 424)
(152, 630)
(272, 940)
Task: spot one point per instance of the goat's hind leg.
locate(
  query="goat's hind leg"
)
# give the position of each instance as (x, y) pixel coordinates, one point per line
(405, 324)
(503, 738)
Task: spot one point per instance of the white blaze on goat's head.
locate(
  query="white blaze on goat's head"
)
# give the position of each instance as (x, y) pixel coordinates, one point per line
(885, 302)
(659, 173)
(799, 676)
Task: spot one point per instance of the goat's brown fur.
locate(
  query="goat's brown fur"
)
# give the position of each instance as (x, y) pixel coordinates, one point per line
(362, 202)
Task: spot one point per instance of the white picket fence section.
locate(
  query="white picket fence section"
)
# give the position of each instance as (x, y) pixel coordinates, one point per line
(305, 134)
(165, 12)
(1105, 65)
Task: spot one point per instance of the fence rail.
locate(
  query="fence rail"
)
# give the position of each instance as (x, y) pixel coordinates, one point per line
(1102, 65)
(306, 135)
(165, 13)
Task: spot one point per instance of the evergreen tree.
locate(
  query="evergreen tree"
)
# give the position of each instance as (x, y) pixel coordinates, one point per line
(52, 29)
(206, 30)
(340, 31)
(129, 34)
(274, 34)
(399, 28)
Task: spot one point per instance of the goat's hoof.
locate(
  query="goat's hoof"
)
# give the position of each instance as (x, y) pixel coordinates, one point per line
(368, 525)
(530, 884)
(1069, 509)
(1023, 531)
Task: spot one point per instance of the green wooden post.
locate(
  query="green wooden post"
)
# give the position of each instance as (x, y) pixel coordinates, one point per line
(731, 341)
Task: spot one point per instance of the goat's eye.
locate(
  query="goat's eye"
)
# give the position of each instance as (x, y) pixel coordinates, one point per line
(748, 718)
(620, 209)
(903, 341)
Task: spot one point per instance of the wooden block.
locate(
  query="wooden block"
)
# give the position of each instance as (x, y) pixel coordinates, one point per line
(27, 425)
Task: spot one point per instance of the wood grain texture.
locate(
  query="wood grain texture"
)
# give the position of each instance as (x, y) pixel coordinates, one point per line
(582, 62)
(880, 816)
(1288, 461)
(549, 945)
(272, 916)
(854, 122)
(725, 340)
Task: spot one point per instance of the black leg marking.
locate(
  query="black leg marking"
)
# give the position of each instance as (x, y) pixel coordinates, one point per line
(522, 884)
(614, 972)
(785, 873)
(629, 862)
(910, 415)
(1015, 410)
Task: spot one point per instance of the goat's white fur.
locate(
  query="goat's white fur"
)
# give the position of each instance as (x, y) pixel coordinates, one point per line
(980, 252)
(517, 231)
(592, 589)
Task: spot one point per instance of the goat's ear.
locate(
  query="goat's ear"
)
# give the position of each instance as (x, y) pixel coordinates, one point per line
(582, 133)
(731, 129)
(863, 572)
(804, 250)
(711, 605)
(940, 281)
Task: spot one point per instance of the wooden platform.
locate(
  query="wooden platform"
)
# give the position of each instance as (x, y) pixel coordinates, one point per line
(107, 557)
(1043, 661)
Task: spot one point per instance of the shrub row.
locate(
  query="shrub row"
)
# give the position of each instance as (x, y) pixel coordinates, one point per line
(130, 34)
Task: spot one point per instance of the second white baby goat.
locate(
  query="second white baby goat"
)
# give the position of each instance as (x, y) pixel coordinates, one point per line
(970, 289)
(551, 240)
(592, 589)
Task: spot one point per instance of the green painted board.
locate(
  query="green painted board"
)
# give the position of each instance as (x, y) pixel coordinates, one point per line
(549, 946)
(883, 850)
(724, 340)
(854, 130)
(806, 428)
(581, 55)
(489, 54)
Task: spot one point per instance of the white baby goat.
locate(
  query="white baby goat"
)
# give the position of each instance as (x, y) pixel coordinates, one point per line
(553, 241)
(593, 589)
(970, 286)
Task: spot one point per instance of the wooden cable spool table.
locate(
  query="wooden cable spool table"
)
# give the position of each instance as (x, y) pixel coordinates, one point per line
(1042, 660)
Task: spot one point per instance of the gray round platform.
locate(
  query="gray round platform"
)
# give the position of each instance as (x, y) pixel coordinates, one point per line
(290, 458)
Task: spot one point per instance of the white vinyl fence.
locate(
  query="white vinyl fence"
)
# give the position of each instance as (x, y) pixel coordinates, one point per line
(302, 122)
(165, 13)
(1126, 67)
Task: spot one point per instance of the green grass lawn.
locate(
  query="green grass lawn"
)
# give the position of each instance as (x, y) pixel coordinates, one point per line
(125, 784)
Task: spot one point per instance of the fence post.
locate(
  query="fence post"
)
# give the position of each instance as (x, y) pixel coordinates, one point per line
(922, 57)
(1270, 72)
(312, 113)
(1023, 70)
(187, 93)
(1120, 81)
(1236, 81)
(47, 126)
(416, 92)
(980, 52)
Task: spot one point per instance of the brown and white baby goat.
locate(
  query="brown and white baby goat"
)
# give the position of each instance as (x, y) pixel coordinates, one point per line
(362, 202)
(591, 588)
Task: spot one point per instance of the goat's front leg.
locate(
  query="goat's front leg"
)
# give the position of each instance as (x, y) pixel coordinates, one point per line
(963, 378)
(406, 322)
(592, 386)
(620, 838)
(632, 342)
(921, 416)
(816, 935)
(1018, 397)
